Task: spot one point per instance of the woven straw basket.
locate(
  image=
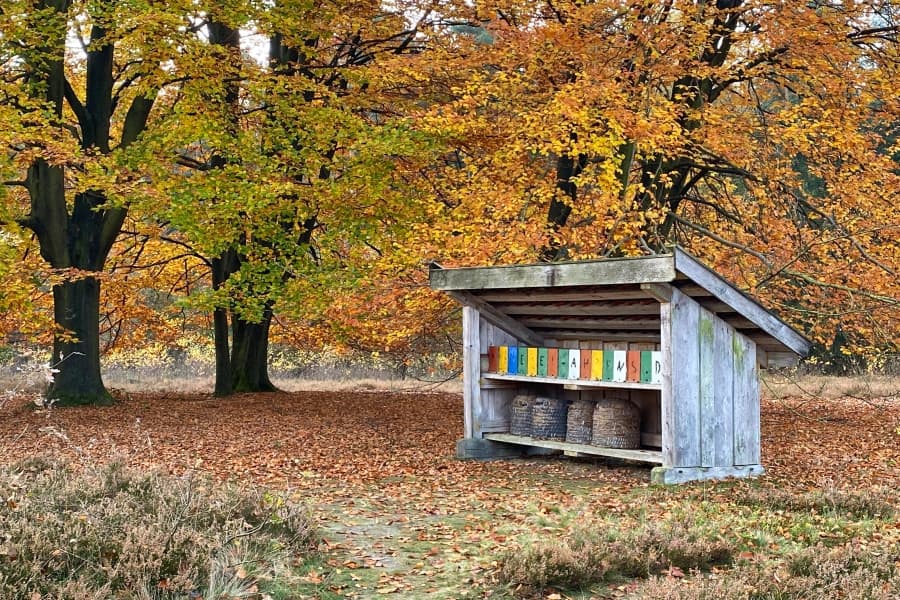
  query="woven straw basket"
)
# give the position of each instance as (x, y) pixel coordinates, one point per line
(579, 423)
(617, 424)
(520, 415)
(548, 420)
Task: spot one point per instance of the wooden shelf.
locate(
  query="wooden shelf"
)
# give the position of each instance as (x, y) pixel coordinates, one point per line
(574, 384)
(648, 456)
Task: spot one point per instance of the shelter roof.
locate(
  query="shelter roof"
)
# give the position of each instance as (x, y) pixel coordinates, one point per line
(609, 299)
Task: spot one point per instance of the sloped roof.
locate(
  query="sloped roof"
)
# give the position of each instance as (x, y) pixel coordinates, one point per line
(609, 299)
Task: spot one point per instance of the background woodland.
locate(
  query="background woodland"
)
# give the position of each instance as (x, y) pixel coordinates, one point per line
(246, 173)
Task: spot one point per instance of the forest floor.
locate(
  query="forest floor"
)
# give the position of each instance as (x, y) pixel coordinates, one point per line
(400, 515)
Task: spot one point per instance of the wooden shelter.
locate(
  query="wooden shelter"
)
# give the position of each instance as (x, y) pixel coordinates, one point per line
(699, 413)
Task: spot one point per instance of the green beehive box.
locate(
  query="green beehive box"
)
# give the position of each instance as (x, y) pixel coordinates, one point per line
(563, 369)
(646, 366)
(609, 365)
(523, 360)
(542, 362)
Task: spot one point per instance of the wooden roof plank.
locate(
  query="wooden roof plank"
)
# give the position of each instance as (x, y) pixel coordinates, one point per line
(742, 303)
(653, 269)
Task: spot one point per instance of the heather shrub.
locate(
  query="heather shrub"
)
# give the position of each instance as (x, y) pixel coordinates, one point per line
(113, 532)
(844, 573)
(588, 557)
(869, 504)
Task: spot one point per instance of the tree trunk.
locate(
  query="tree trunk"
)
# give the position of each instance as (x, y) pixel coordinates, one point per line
(221, 271)
(81, 241)
(249, 356)
(76, 354)
(242, 360)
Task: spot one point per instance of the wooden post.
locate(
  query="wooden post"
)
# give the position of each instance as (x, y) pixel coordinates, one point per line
(667, 405)
(471, 370)
(686, 379)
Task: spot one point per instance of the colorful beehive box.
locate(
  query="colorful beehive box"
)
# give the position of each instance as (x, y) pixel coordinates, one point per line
(596, 365)
(542, 362)
(586, 357)
(656, 374)
(620, 366)
(609, 365)
(563, 362)
(574, 364)
(493, 358)
(552, 362)
(503, 359)
(532, 362)
(512, 366)
(646, 366)
(522, 356)
(633, 366)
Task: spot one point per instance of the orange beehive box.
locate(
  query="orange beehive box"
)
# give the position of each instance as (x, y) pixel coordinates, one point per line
(633, 360)
(586, 362)
(493, 359)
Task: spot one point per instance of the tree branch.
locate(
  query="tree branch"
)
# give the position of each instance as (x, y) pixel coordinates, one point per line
(84, 119)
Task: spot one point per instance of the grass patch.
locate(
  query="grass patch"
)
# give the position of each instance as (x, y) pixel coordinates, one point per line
(113, 532)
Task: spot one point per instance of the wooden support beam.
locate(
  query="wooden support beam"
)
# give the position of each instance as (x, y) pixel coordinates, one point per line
(639, 324)
(673, 475)
(606, 336)
(593, 309)
(471, 371)
(645, 269)
(660, 291)
(497, 318)
(742, 303)
(573, 295)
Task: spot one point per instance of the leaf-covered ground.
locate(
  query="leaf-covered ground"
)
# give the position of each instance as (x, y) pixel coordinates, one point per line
(402, 516)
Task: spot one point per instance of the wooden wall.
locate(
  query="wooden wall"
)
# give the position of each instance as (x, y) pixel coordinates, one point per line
(710, 396)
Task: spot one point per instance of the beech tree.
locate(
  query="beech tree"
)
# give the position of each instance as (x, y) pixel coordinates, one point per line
(81, 80)
(284, 166)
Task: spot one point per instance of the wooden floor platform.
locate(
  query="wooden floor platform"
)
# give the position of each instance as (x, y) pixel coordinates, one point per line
(648, 456)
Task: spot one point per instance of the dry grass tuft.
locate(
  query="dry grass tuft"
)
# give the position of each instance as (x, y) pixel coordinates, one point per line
(830, 387)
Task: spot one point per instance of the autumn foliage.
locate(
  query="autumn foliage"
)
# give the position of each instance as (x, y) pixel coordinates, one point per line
(299, 166)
